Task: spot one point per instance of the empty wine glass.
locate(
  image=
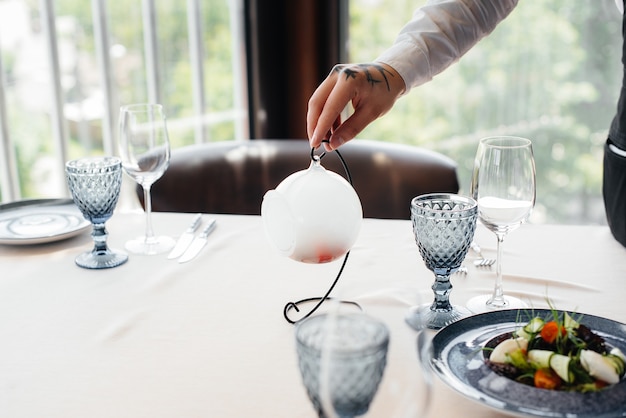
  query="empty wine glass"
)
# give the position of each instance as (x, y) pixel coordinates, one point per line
(341, 358)
(444, 226)
(503, 184)
(145, 151)
(94, 184)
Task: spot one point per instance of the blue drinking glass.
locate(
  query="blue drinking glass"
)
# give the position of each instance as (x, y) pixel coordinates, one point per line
(444, 226)
(94, 184)
(341, 358)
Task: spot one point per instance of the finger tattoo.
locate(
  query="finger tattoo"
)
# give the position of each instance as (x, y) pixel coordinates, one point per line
(369, 70)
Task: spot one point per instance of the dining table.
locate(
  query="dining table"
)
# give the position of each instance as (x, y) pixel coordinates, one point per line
(208, 338)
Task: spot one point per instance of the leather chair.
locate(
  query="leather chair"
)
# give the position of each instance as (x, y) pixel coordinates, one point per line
(233, 176)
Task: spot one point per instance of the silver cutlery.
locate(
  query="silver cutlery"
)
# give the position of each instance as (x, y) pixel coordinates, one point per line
(481, 261)
(198, 243)
(462, 270)
(185, 240)
(484, 262)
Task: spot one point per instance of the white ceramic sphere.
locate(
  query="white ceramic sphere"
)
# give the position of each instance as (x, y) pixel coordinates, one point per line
(313, 215)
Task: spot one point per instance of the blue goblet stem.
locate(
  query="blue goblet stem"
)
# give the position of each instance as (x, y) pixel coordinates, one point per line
(442, 288)
(99, 235)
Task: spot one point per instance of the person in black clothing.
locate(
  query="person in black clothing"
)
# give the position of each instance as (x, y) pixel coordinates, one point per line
(614, 175)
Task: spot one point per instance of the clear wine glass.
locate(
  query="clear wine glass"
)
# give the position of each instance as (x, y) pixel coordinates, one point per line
(145, 151)
(503, 184)
(341, 358)
(94, 184)
(444, 226)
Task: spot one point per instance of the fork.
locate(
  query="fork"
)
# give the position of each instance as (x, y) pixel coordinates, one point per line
(481, 261)
(462, 271)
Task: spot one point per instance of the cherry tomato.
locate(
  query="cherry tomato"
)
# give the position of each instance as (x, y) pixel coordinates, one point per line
(551, 330)
(547, 379)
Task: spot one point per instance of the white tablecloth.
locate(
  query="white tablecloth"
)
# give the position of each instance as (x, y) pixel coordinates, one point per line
(154, 338)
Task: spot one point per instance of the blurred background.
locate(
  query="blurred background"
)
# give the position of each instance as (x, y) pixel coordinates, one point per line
(244, 69)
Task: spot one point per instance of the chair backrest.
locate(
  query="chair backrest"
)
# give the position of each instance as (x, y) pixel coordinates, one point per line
(233, 176)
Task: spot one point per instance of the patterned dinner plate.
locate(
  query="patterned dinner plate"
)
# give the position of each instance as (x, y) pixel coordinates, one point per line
(458, 359)
(40, 221)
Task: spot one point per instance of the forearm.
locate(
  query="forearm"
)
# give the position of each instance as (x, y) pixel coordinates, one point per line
(439, 34)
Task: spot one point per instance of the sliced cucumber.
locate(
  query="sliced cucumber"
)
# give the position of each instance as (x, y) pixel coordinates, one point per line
(617, 352)
(569, 322)
(560, 364)
(540, 358)
(534, 326)
(520, 332)
(617, 362)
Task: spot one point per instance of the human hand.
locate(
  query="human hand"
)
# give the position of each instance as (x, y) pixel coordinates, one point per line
(372, 89)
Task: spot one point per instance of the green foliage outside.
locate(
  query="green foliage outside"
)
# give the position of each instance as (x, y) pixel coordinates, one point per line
(30, 128)
(550, 72)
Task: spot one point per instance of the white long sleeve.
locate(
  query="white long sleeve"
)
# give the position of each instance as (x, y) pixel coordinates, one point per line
(439, 33)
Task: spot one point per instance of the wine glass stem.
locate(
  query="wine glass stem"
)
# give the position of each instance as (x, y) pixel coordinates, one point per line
(99, 235)
(441, 288)
(149, 238)
(497, 299)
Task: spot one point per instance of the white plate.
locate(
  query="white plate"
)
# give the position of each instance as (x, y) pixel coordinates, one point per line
(459, 361)
(39, 221)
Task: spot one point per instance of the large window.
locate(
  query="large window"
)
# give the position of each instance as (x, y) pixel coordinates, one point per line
(550, 72)
(67, 65)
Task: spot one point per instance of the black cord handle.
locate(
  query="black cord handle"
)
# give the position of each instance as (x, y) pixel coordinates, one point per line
(320, 300)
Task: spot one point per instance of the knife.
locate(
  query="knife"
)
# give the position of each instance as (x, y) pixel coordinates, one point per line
(186, 238)
(198, 243)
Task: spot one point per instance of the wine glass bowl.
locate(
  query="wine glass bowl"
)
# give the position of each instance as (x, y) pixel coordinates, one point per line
(341, 358)
(94, 184)
(443, 225)
(148, 166)
(503, 184)
(145, 151)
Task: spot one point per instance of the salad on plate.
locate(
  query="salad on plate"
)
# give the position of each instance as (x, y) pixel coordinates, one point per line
(558, 353)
